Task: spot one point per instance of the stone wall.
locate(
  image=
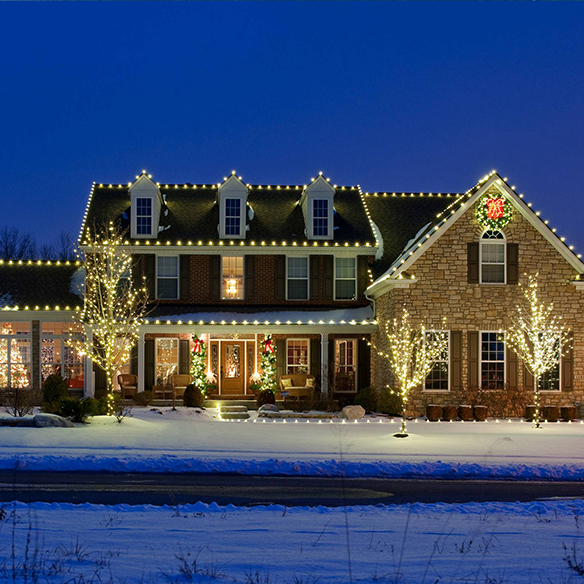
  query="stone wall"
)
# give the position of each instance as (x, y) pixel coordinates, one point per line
(442, 290)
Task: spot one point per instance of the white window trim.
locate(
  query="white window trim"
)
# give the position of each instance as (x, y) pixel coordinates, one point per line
(559, 390)
(158, 339)
(307, 353)
(242, 223)
(234, 255)
(447, 361)
(307, 258)
(23, 336)
(356, 363)
(344, 280)
(492, 242)
(134, 217)
(480, 379)
(329, 201)
(63, 338)
(168, 278)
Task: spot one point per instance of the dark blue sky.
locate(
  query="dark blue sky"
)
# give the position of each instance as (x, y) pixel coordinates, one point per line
(392, 96)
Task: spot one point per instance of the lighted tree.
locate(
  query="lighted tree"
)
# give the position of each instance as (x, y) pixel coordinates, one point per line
(199, 373)
(113, 305)
(268, 364)
(412, 352)
(538, 336)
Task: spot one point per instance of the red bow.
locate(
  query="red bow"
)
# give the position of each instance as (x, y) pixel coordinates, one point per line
(198, 346)
(268, 348)
(495, 208)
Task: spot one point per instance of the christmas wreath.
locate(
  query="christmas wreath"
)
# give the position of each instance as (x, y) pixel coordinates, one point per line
(494, 212)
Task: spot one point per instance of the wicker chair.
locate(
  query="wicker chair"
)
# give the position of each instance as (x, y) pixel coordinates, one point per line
(128, 385)
(179, 384)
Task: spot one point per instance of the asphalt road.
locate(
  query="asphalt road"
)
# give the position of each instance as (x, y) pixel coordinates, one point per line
(173, 489)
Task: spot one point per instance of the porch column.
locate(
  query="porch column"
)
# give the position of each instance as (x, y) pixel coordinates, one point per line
(141, 371)
(324, 361)
(89, 385)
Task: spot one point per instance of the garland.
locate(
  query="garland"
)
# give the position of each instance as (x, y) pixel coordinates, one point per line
(268, 364)
(199, 364)
(494, 212)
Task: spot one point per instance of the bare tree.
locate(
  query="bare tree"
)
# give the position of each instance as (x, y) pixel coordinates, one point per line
(15, 245)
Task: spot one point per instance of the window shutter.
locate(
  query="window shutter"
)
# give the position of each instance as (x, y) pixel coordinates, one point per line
(280, 358)
(329, 277)
(137, 270)
(473, 262)
(100, 379)
(473, 359)
(314, 278)
(249, 277)
(512, 368)
(150, 260)
(528, 380)
(215, 269)
(567, 365)
(148, 364)
(184, 357)
(331, 365)
(134, 360)
(512, 263)
(456, 360)
(315, 358)
(185, 266)
(280, 277)
(362, 276)
(364, 364)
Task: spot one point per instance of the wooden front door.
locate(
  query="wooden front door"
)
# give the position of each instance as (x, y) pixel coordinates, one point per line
(232, 367)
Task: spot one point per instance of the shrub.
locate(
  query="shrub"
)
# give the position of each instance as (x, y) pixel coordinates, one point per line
(265, 396)
(389, 402)
(18, 401)
(367, 398)
(193, 396)
(143, 398)
(77, 410)
(54, 390)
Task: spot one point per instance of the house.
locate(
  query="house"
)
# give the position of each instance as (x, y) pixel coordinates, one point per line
(318, 266)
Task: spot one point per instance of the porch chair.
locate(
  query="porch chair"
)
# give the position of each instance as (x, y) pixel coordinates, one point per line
(179, 384)
(128, 385)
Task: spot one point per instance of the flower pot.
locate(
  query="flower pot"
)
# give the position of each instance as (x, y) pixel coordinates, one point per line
(465, 413)
(433, 412)
(449, 412)
(569, 413)
(551, 413)
(481, 413)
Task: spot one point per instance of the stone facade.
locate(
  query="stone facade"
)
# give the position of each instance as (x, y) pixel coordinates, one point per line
(442, 290)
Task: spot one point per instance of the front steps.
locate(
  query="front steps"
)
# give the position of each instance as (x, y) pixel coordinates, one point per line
(232, 412)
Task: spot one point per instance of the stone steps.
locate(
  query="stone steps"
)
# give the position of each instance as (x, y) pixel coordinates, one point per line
(233, 412)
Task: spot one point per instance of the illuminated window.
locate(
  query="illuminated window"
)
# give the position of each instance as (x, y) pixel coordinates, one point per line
(232, 272)
(15, 354)
(345, 376)
(297, 360)
(166, 360)
(232, 217)
(144, 216)
(345, 279)
(320, 217)
(492, 360)
(550, 380)
(492, 257)
(57, 357)
(297, 278)
(438, 378)
(167, 281)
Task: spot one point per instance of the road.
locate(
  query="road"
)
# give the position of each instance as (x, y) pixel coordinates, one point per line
(172, 489)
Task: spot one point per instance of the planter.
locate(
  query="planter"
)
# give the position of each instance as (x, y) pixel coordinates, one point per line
(569, 413)
(465, 413)
(433, 412)
(530, 413)
(449, 412)
(481, 413)
(551, 413)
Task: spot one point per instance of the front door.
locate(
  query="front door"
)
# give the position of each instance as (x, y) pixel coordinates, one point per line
(232, 368)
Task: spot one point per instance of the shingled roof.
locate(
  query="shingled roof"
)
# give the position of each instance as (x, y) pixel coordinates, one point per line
(193, 215)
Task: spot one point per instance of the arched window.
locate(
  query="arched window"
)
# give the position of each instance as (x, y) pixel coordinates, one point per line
(493, 257)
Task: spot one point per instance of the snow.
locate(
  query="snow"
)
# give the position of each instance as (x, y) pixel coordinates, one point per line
(77, 285)
(379, 240)
(187, 441)
(516, 543)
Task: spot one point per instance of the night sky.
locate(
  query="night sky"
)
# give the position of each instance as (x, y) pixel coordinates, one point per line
(391, 96)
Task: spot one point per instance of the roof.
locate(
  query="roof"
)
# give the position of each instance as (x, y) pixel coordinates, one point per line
(193, 215)
(45, 285)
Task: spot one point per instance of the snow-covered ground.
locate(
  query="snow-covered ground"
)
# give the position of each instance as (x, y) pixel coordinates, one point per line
(187, 441)
(418, 544)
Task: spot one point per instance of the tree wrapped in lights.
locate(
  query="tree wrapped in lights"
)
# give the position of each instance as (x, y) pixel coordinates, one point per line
(411, 356)
(198, 371)
(113, 305)
(538, 337)
(268, 364)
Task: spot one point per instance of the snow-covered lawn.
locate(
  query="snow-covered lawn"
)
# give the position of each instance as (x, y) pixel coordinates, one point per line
(418, 544)
(187, 441)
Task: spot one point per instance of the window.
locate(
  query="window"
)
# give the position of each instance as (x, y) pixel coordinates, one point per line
(144, 216)
(492, 360)
(166, 360)
(15, 355)
(438, 378)
(297, 278)
(232, 216)
(345, 376)
(320, 217)
(297, 356)
(167, 281)
(232, 277)
(345, 279)
(492, 257)
(57, 358)
(550, 380)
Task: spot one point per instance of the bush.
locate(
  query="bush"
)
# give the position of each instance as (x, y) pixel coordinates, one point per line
(19, 401)
(193, 397)
(389, 402)
(367, 399)
(265, 396)
(77, 410)
(54, 390)
(143, 398)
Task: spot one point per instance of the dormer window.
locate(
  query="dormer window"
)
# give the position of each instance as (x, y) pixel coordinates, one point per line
(144, 216)
(320, 217)
(317, 208)
(146, 206)
(233, 217)
(232, 198)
